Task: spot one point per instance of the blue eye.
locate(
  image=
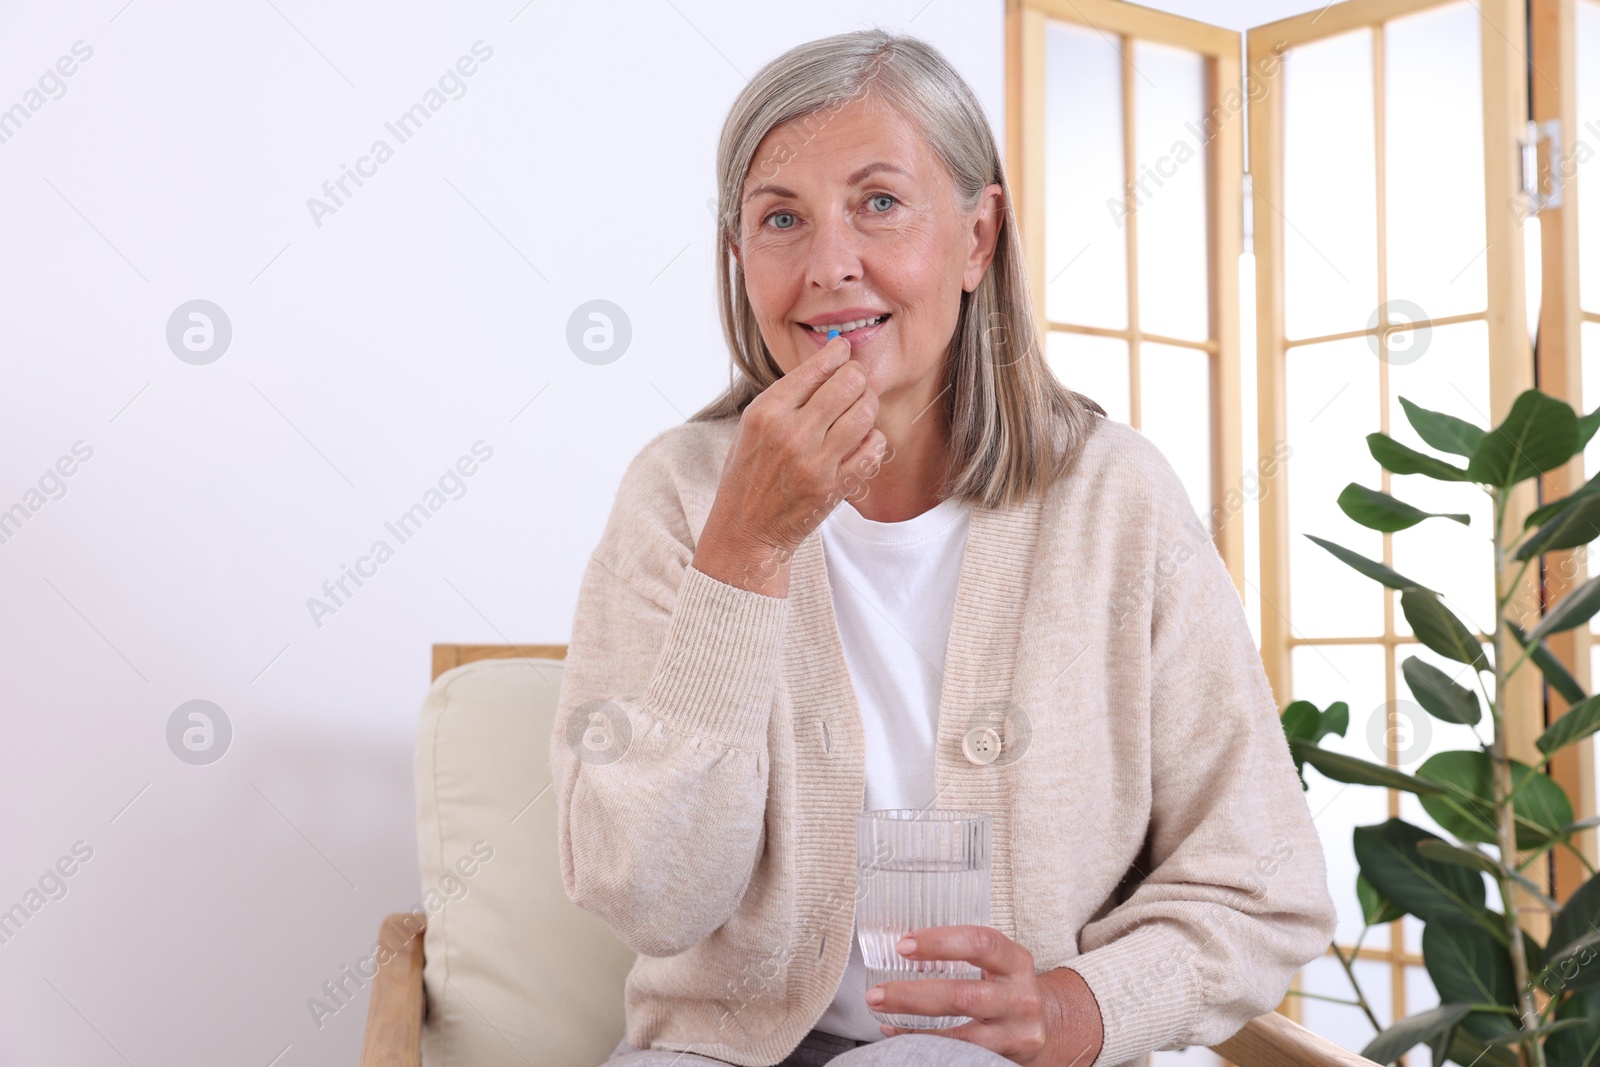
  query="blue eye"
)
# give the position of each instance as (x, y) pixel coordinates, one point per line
(775, 214)
(884, 196)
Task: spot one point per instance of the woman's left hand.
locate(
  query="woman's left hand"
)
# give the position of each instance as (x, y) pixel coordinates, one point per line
(1038, 1020)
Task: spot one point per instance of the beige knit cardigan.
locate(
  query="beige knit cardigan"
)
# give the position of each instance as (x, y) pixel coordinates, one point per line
(1149, 829)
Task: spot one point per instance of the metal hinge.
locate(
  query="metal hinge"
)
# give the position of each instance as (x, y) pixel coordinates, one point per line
(1537, 200)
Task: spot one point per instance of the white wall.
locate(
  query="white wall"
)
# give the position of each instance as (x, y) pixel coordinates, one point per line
(367, 355)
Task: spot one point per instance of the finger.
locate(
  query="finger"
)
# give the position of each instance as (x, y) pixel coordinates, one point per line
(995, 1038)
(972, 997)
(851, 427)
(866, 461)
(833, 398)
(982, 946)
(797, 386)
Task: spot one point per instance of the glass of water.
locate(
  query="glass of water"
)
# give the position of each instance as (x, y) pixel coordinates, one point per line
(917, 868)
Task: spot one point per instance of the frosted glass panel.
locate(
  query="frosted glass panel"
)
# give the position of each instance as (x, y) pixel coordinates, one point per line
(1175, 413)
(1588, 178)
(1433, 96)
(1170, 191)
(1332, 393)
(1341, 1023)
(1354, 674)
(1330, 201)
(1450, 375)
(1097, 367)
(1085, 249)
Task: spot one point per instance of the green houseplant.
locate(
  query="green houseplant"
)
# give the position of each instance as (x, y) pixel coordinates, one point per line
(1502, 993)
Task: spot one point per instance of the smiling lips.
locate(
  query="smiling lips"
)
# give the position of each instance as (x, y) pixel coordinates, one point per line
(845, 327)
(857, 331)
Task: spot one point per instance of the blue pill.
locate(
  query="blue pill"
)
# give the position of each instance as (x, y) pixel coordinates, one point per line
(832, 334)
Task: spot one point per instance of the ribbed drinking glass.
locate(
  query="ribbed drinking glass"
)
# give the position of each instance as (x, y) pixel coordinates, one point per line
(917, 868)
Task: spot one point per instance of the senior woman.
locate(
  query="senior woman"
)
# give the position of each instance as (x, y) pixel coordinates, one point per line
(811, 598)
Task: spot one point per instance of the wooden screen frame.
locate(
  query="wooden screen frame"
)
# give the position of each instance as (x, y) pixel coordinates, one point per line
(1553, 53)
(1025, 140)
(1503, 41)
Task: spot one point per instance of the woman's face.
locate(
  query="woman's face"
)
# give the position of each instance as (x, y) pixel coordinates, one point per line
(847, 213)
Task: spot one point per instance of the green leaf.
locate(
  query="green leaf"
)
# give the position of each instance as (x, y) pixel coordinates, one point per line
(1437, 627)
(1581, 1044)
(1444, 432)
(1349, 769)
(1555, 672)
(1370, 567)
(1538, 516)
(1469, 967)
(1576, 524)
(1301, 720)
(1577, 722)
(1586, 428)
(1407, 1034)
(1397, 458)
(1572, 610)
(1571, 931)
(1573, 967)
(1439, 694)
(1380, 511)
(1389, 860)
(1540, 808)
(1539, 434)
(1518, 1036)
(1469, 1050)
(1376, 909)
(1445, 852)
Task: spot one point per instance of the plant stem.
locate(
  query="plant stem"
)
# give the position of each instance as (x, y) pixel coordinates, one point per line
(1319, 996)
(1505, 821)
(1361, 998)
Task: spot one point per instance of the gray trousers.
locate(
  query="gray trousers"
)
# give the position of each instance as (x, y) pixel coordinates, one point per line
(818, 1048)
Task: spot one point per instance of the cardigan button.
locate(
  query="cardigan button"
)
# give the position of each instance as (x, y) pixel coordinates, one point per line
(981, 745)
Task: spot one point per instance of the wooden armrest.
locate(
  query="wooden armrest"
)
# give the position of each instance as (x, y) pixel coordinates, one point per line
(394, 1017)
(1275, 1040)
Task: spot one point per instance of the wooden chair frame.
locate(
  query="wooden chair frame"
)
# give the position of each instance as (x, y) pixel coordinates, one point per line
(394, 1016)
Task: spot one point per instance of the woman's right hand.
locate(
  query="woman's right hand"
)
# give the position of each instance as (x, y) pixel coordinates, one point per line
(804, 444)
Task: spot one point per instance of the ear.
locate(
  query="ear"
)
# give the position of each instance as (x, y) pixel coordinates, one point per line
(985, 233)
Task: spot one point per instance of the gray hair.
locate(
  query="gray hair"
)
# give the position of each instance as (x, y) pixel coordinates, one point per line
(1003, 403)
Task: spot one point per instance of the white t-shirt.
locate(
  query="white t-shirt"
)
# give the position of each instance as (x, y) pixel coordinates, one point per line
(894, 593)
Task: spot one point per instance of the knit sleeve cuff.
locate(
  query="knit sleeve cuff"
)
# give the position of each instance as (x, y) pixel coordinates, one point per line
(718, 670)
(1148, 991)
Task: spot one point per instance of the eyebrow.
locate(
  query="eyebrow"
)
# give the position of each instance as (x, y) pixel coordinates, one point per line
(857, 178)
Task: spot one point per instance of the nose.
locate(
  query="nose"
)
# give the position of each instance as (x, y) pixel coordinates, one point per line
(834, 253)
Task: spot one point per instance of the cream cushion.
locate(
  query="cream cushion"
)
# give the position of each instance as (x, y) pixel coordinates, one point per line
(515, 974)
